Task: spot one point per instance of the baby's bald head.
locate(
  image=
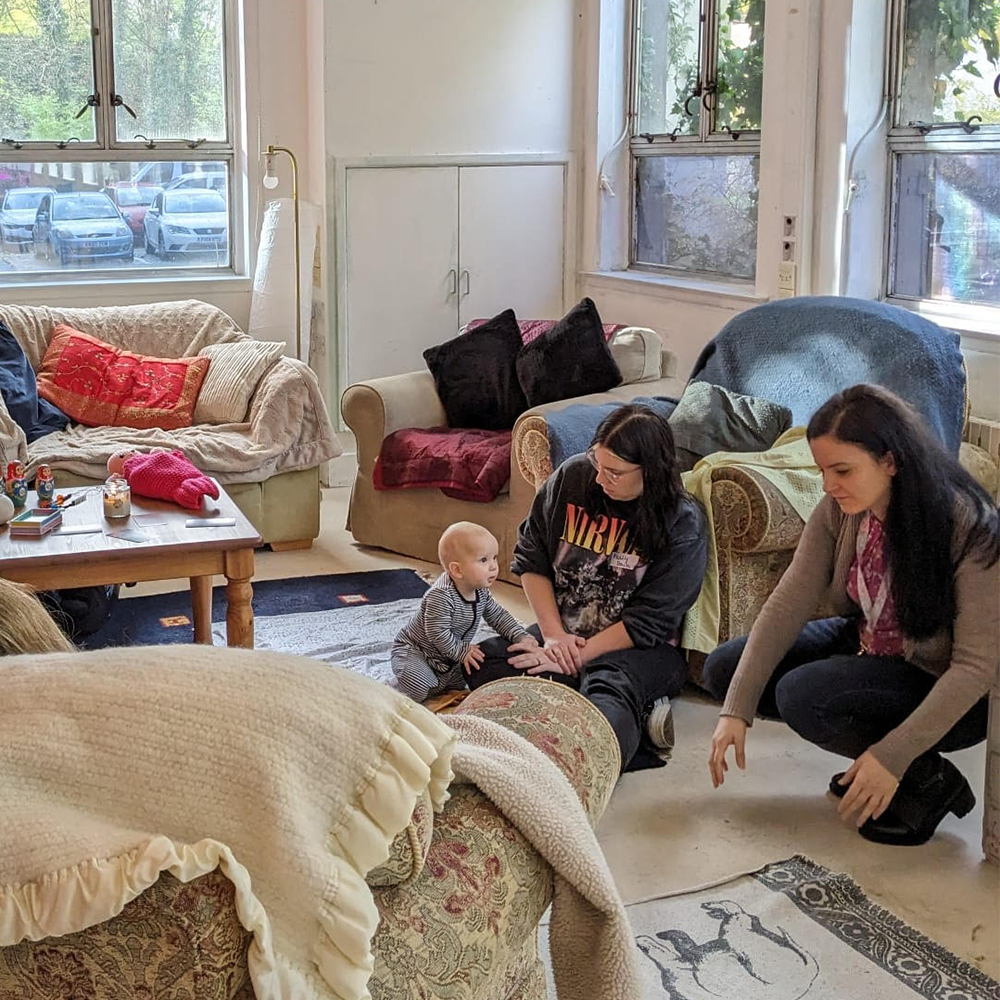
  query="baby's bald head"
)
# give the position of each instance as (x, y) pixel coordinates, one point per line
(461, 541)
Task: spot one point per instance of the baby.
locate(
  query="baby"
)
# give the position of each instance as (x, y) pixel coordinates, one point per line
(433, 649)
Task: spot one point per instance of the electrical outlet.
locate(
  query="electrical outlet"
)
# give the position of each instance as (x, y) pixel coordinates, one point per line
(787, 274)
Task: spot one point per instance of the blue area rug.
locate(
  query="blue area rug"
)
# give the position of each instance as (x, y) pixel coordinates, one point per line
(305, 606)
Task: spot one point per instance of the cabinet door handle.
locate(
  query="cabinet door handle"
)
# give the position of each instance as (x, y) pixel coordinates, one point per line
(468, 280)
(453, 274)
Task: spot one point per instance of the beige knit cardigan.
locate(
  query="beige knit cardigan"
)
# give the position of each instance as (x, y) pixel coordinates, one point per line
(965, 659)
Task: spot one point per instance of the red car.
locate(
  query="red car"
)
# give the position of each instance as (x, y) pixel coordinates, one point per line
(133, 200)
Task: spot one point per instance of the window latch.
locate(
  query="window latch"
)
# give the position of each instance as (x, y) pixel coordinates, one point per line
(66, 142)
(195, 143)
(696, 92)
(732, 134)
(117, 101)
(93, 101)
(150, 144)
(13, 143)
(968, 126)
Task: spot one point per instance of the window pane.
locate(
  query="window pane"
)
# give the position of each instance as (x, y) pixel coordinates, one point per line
(950, 60)
(46, 70)
(698, 213)
(741, 64)
(946, 236)
(169, 68)
(73, 216)
(668, 66)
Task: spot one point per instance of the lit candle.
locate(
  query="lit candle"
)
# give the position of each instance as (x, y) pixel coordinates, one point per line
(117, 497)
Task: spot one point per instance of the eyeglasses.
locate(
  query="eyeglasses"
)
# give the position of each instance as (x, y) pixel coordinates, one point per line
(612, 477)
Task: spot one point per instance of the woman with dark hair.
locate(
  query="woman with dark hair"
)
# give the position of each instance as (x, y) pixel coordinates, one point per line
(905, 548)
(611, 556)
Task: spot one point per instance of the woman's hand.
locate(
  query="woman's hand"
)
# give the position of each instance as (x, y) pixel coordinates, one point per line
(532, 658)
(564, 648)
(871, 789)
(729, 731)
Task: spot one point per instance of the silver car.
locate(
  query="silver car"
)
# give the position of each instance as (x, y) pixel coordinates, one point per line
(17, 214)
(186, 221)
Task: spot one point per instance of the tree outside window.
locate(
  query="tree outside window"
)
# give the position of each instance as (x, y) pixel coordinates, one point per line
(696, 144)
(945, 149)
(114, 102)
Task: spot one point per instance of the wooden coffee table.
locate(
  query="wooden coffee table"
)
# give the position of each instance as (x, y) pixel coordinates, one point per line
(170, 550)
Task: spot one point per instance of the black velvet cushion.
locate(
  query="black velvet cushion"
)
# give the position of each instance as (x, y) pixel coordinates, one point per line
(476, 377)
(571, 359)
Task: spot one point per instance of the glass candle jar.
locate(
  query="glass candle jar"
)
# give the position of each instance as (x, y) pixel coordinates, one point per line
(117, 497)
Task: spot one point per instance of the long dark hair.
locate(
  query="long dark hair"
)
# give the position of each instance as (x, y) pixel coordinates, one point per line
(638, 434)
(927, 490)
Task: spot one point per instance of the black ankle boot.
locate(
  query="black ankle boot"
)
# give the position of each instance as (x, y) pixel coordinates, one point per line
(931, 788)
(836, 788)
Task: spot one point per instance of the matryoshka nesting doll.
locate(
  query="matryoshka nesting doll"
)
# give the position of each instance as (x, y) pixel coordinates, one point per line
(15, 484)
(45, 486)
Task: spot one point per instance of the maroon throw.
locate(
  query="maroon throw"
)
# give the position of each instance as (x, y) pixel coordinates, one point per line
(465, 464)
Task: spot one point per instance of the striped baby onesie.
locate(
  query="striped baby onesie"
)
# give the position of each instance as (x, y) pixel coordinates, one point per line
(428, 651)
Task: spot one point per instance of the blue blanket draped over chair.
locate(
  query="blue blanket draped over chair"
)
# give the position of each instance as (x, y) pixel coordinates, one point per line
(799, 352)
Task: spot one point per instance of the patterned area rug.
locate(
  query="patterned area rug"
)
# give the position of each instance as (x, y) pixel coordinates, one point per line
(792, 930)
(346, 618)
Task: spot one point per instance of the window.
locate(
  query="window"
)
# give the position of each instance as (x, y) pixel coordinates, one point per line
(116, 136)
(944, 146)
(696, 143)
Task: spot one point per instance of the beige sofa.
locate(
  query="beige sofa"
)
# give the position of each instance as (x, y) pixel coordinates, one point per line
(411, 521)
(459, 899)
(268, 463)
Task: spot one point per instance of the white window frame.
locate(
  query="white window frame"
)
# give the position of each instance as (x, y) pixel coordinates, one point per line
(107, 147)
(908, 139)
(706, 142)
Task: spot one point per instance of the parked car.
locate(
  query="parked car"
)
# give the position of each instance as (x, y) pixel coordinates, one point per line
(81, 225)
(162, 172)
(17, 214)
(186, 222)
(212, 180)
(132, 200)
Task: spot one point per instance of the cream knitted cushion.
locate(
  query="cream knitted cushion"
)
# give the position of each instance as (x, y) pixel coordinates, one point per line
(232, 377)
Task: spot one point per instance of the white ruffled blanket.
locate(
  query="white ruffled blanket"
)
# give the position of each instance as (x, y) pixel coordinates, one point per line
(288, 426)
(291, 776)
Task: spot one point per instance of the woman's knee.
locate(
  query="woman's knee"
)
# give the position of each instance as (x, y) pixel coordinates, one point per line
(798, 702)
(719, 667)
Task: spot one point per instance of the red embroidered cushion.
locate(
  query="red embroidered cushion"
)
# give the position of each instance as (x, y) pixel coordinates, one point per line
(102, 386)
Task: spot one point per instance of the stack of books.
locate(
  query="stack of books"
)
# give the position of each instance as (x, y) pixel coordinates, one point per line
(35, 522)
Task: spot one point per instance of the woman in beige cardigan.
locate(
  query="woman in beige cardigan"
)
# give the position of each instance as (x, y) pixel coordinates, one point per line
(905, 548)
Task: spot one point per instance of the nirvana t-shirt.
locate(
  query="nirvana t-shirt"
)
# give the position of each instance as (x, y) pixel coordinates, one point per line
(582, 541)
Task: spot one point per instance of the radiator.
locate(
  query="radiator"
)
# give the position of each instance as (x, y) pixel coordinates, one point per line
(986, 434)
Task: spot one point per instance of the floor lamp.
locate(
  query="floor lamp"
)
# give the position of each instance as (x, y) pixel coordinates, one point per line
(270, 181)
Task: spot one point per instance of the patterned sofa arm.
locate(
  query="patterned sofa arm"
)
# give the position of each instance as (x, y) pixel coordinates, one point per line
(750, 513)
(530, 452)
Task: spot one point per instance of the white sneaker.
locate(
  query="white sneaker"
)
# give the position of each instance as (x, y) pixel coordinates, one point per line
(660, 724)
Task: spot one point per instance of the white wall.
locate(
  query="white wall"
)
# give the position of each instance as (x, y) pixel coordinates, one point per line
(412, 77)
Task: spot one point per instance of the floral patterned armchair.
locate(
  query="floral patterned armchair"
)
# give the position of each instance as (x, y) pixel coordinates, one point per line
(460, 897)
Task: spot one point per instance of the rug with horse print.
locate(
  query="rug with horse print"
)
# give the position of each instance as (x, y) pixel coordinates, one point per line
(791, 931)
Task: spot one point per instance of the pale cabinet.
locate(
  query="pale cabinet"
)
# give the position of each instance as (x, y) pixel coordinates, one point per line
(427, 248)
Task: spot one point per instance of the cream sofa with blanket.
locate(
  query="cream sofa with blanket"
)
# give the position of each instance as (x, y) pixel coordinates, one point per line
(410, 521)
(268, 461)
